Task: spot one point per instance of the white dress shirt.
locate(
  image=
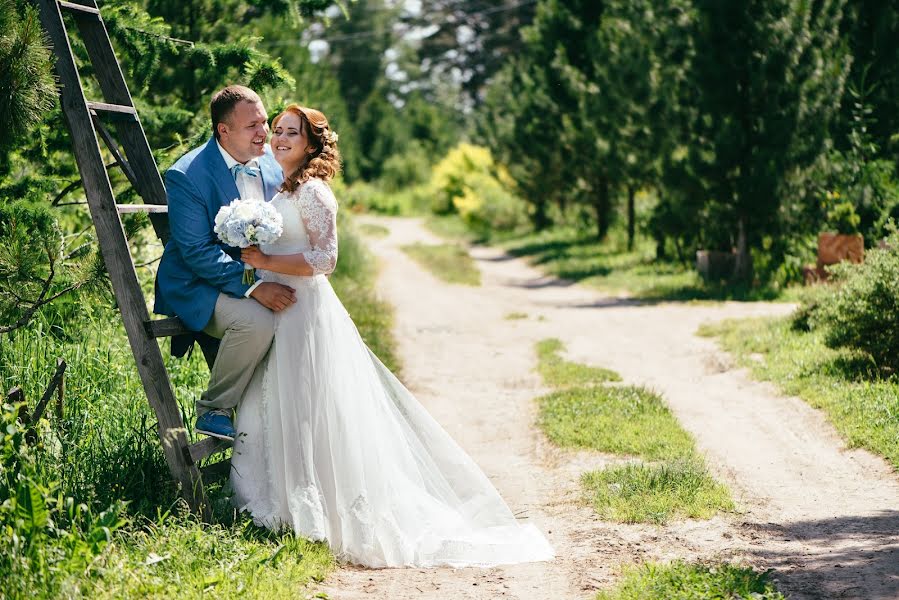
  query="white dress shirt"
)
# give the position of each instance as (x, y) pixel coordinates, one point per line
(247, 187)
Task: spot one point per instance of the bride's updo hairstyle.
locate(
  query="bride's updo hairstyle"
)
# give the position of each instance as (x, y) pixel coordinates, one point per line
(324, 161)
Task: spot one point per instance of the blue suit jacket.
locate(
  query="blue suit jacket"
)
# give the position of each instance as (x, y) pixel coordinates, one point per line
(196, 267)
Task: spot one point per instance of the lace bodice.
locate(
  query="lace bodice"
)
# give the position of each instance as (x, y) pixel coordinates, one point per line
(310, 225)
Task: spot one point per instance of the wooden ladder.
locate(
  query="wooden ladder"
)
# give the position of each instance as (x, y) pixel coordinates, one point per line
(85, 120)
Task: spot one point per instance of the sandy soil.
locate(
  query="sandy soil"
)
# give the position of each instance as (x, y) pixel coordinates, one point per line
(824, 518)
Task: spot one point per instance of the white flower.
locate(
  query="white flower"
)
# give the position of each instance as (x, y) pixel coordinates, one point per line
(246, 222)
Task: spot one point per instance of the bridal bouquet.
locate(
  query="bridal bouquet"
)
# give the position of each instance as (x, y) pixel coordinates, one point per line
(246, 223)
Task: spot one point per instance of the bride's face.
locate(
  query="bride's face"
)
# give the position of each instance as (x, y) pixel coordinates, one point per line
(289, 142)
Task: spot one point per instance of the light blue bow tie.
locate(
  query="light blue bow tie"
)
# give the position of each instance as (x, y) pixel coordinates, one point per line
(239, 168)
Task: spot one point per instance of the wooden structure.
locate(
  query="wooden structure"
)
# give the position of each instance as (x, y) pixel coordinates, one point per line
(834, 248)
(87, 120)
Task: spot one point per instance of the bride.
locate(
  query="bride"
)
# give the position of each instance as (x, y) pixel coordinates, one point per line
(329, 442)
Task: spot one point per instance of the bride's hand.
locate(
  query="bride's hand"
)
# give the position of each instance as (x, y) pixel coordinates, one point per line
(254, 257)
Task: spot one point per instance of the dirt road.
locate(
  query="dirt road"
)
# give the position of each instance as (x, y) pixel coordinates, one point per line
(823, 517)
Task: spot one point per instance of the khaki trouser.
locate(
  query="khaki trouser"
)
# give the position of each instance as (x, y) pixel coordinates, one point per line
(246, 329)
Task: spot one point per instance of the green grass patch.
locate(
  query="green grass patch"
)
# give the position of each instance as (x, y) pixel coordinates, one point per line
(449, 262)
(185, 559)
(629, 421)
(373, 230)
(640, 493)
(576, 255)
(558, 372)
(515, 316)
(846, 385)
(690, 581)
(626, 420)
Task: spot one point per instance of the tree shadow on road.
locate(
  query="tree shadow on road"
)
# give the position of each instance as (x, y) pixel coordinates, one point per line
(851, 557)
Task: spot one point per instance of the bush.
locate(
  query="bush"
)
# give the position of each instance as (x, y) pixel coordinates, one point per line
(468, 182)
(458, 167)
(863, 312)
(486, 206)
(367, 197)
(406, 170)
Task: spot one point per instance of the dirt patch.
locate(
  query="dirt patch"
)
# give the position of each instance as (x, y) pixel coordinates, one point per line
(823, 517)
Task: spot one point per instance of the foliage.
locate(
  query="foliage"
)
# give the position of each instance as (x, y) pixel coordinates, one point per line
(44, 535)
(468, 182)
(406, 169)
(36, 268)
(723, 110)
(862, 311)
(639, 493)
(687, 581)
(28, 87)
(557, 372)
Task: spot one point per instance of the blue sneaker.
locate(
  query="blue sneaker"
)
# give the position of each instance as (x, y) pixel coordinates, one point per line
(216, 423)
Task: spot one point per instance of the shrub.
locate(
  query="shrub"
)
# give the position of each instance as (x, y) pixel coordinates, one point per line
(367, 197)
(406, 170)
(863, 311)
(468, 182)
(486, 205)
(450, 175)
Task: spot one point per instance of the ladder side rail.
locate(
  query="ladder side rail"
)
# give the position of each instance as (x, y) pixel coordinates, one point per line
(116, 255)
(115, 91)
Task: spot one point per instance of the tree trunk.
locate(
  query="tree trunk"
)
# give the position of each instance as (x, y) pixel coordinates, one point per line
(539, 218)
(743, 265)
(603, 207)
(631, 217)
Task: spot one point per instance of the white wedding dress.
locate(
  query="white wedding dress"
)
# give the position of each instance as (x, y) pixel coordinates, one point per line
(332, 445)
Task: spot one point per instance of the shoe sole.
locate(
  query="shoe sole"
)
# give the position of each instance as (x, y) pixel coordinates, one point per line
(220, 436)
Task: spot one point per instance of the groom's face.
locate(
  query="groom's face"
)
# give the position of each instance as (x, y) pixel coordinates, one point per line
(244, 131)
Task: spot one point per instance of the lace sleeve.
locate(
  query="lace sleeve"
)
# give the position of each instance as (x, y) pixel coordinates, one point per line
(318, 210)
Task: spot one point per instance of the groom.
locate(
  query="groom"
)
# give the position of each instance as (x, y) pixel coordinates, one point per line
(200, 278)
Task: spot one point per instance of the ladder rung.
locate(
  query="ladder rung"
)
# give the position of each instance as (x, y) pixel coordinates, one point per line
(165, 327)
(218, 470)
(78, 7)
(147, 208)
(112, 108)
(196, 452)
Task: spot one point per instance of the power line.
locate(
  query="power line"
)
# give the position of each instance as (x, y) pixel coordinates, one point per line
(382, 31)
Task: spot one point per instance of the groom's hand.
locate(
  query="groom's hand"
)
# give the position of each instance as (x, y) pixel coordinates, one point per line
(274, 296)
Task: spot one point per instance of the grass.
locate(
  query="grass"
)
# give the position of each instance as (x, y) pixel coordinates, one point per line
(569, 253)
(630, 421)
(640, 493)
(515, 316)
(106, 451)
(184, 559)
(558, 372)
(373, 230)
(862, 407)
(451, 228)
(690, 581)
(449, 262)
(627, 421)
